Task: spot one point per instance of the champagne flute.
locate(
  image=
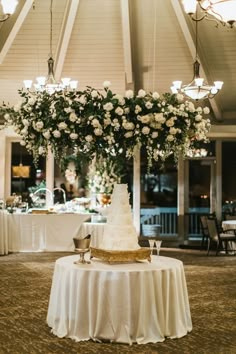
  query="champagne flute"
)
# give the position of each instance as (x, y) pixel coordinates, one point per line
(158, 246)
(151, 244)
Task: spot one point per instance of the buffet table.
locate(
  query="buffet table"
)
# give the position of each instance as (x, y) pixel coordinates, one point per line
(135, 302)
(3, 233)
(34, 233)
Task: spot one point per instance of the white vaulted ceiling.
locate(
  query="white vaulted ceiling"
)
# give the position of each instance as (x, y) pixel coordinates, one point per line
(134, 44)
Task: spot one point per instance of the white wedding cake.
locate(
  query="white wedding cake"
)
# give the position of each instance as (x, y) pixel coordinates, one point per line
(119, 231)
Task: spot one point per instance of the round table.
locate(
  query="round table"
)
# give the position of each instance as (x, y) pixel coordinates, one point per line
(133, 302)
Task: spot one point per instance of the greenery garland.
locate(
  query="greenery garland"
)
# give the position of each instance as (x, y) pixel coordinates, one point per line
(103, 123)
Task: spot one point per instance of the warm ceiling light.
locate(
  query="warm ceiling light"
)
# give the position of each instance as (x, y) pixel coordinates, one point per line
(49, 83)
(8, 8)
(197, 90)
(223, 11)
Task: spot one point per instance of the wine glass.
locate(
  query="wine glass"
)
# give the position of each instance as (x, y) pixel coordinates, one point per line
(158, 246)
(151, 245)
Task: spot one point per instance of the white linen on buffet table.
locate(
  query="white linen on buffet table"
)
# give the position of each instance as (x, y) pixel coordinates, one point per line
(3, 233)
(54, 232)
(96, 232)
(133, 302)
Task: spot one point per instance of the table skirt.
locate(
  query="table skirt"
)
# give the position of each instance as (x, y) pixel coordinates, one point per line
(127, 303)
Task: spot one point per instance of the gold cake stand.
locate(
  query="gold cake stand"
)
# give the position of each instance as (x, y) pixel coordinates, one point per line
(121, 256)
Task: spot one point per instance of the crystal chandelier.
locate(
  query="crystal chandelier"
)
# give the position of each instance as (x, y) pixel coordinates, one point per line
(8, 8)
(49, 83)
(223, 11)
(197, 89)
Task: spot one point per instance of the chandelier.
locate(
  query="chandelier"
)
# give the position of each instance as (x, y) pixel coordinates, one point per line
(197, 89)
(223, 11)
(8, 8)
(49, 83)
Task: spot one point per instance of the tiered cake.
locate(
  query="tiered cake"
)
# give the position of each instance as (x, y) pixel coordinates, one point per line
(119, 231)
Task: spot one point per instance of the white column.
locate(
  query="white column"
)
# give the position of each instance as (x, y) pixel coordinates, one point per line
(49, 178)
(218, 179)
(136, 191)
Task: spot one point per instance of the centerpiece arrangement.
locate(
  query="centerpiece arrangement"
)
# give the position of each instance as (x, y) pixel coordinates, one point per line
(103, 123)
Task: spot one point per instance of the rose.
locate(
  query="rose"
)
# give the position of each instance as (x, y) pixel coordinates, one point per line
(56, 134)
(128, 125)
(108, 106)
(98, 131)
(155, 95)
(141, 93)
(89, 138)
(47, 134)
(94, 93)
(148, 105)
(62, 126)
(74, 136)
(206, 110)
(119, 111)
(145, 130)
(129, 94)
(106, 84)
(73, 117)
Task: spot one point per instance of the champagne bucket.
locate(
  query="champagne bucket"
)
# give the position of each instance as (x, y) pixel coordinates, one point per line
(81, 243)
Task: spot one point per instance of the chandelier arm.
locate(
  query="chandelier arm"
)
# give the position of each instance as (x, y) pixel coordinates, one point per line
(4, 18)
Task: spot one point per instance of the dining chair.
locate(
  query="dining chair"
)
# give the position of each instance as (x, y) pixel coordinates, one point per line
(204, 229)
(220, 238)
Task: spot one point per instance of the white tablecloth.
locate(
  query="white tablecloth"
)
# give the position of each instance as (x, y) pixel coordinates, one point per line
(96, 232)
(3, 233)
(30, 233)
(227, 225)
(137, 302)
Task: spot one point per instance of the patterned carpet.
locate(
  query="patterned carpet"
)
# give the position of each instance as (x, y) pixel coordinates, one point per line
(25, 287)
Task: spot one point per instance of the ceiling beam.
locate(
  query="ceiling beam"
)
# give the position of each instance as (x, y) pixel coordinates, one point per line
(192, 48)
(66, 30)
(19, 21)
(126, 40)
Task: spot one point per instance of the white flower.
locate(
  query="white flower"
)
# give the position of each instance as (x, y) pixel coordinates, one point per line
(73, 117)
(128, 125)
(7, 116)
(159, 117)
(149, 105)
(155, 95)
(24, 131)
(191, 107)
(141, 93)
(95, 123)
(62, 126)
(25, 122)
(41, 150)
(198, 117)
(98, 131)
(120, 99)
(206, 110)
(170, 137)
(94, 93)
(47, 134)
(137, 109)
(68, 109)
(146, 130)
(22, 143)
(108, 106)
(129, 94)
(89, 138)
(56, 134)
(170, 122)
(31, 101)
(180, 97)
(106, 84)
(119, 111)
(74, 136)
(173, 130)
(39, 125)
(145, 119)
(82, 99)
(17, 107)
(128, 135)
(154, 135)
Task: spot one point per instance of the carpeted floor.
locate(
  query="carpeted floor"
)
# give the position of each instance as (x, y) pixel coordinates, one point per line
(25, 282)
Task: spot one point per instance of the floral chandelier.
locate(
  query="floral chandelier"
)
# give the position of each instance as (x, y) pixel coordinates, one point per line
(49, 83)
(223, 11)
(8, 7)
(105, 124)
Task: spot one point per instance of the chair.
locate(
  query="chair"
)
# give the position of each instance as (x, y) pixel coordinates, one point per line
(220, 238)
(204, 228)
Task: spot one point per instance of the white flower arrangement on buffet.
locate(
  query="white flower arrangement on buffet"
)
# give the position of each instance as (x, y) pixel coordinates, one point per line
(106, 124)
(102, 176)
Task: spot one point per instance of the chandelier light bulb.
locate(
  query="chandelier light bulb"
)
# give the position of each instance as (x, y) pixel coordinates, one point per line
(73, 84)
(199, 81)
(27, 84)
(218, 84)
(190, 6)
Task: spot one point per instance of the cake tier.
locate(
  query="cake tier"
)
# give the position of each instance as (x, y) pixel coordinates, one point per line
(120, 219)
(119, 238)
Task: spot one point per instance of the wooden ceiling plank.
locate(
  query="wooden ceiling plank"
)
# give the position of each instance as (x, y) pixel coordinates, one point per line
(24, 12)
(192, 48)
(68, 24)
(126, 40)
